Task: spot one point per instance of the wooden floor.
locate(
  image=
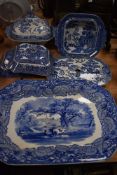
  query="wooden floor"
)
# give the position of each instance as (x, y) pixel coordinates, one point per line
(109, 58)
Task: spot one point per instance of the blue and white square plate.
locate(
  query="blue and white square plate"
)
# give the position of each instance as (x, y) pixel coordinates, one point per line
(30, 29)
(80, 35)
(73, 69)
(29, 59)
(56, 122)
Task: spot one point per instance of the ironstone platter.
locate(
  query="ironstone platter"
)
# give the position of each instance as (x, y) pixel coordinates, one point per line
(56, 122)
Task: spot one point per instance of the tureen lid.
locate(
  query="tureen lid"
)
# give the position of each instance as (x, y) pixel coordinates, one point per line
(80, 34)
(30, 28)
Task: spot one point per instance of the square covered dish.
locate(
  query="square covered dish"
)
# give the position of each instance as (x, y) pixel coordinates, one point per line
(28, 59)
(31, 28)
(79, 37)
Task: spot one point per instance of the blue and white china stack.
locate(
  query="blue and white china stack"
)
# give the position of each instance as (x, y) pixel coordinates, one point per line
(69, 118)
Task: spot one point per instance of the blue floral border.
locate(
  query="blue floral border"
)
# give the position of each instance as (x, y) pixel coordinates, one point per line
(101, 148)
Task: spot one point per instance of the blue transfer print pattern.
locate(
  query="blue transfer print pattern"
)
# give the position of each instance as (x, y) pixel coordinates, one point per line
(30, 29)
(79, 34)
(61, 121)
(101, 148)
(82, 34)
(89, 69)
(29, 59)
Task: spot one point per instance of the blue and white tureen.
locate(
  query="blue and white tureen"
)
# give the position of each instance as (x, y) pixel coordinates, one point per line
(79, 37)
(30, 29)
(28, 59)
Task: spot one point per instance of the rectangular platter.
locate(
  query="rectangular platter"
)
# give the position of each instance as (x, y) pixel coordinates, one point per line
(56, 122)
